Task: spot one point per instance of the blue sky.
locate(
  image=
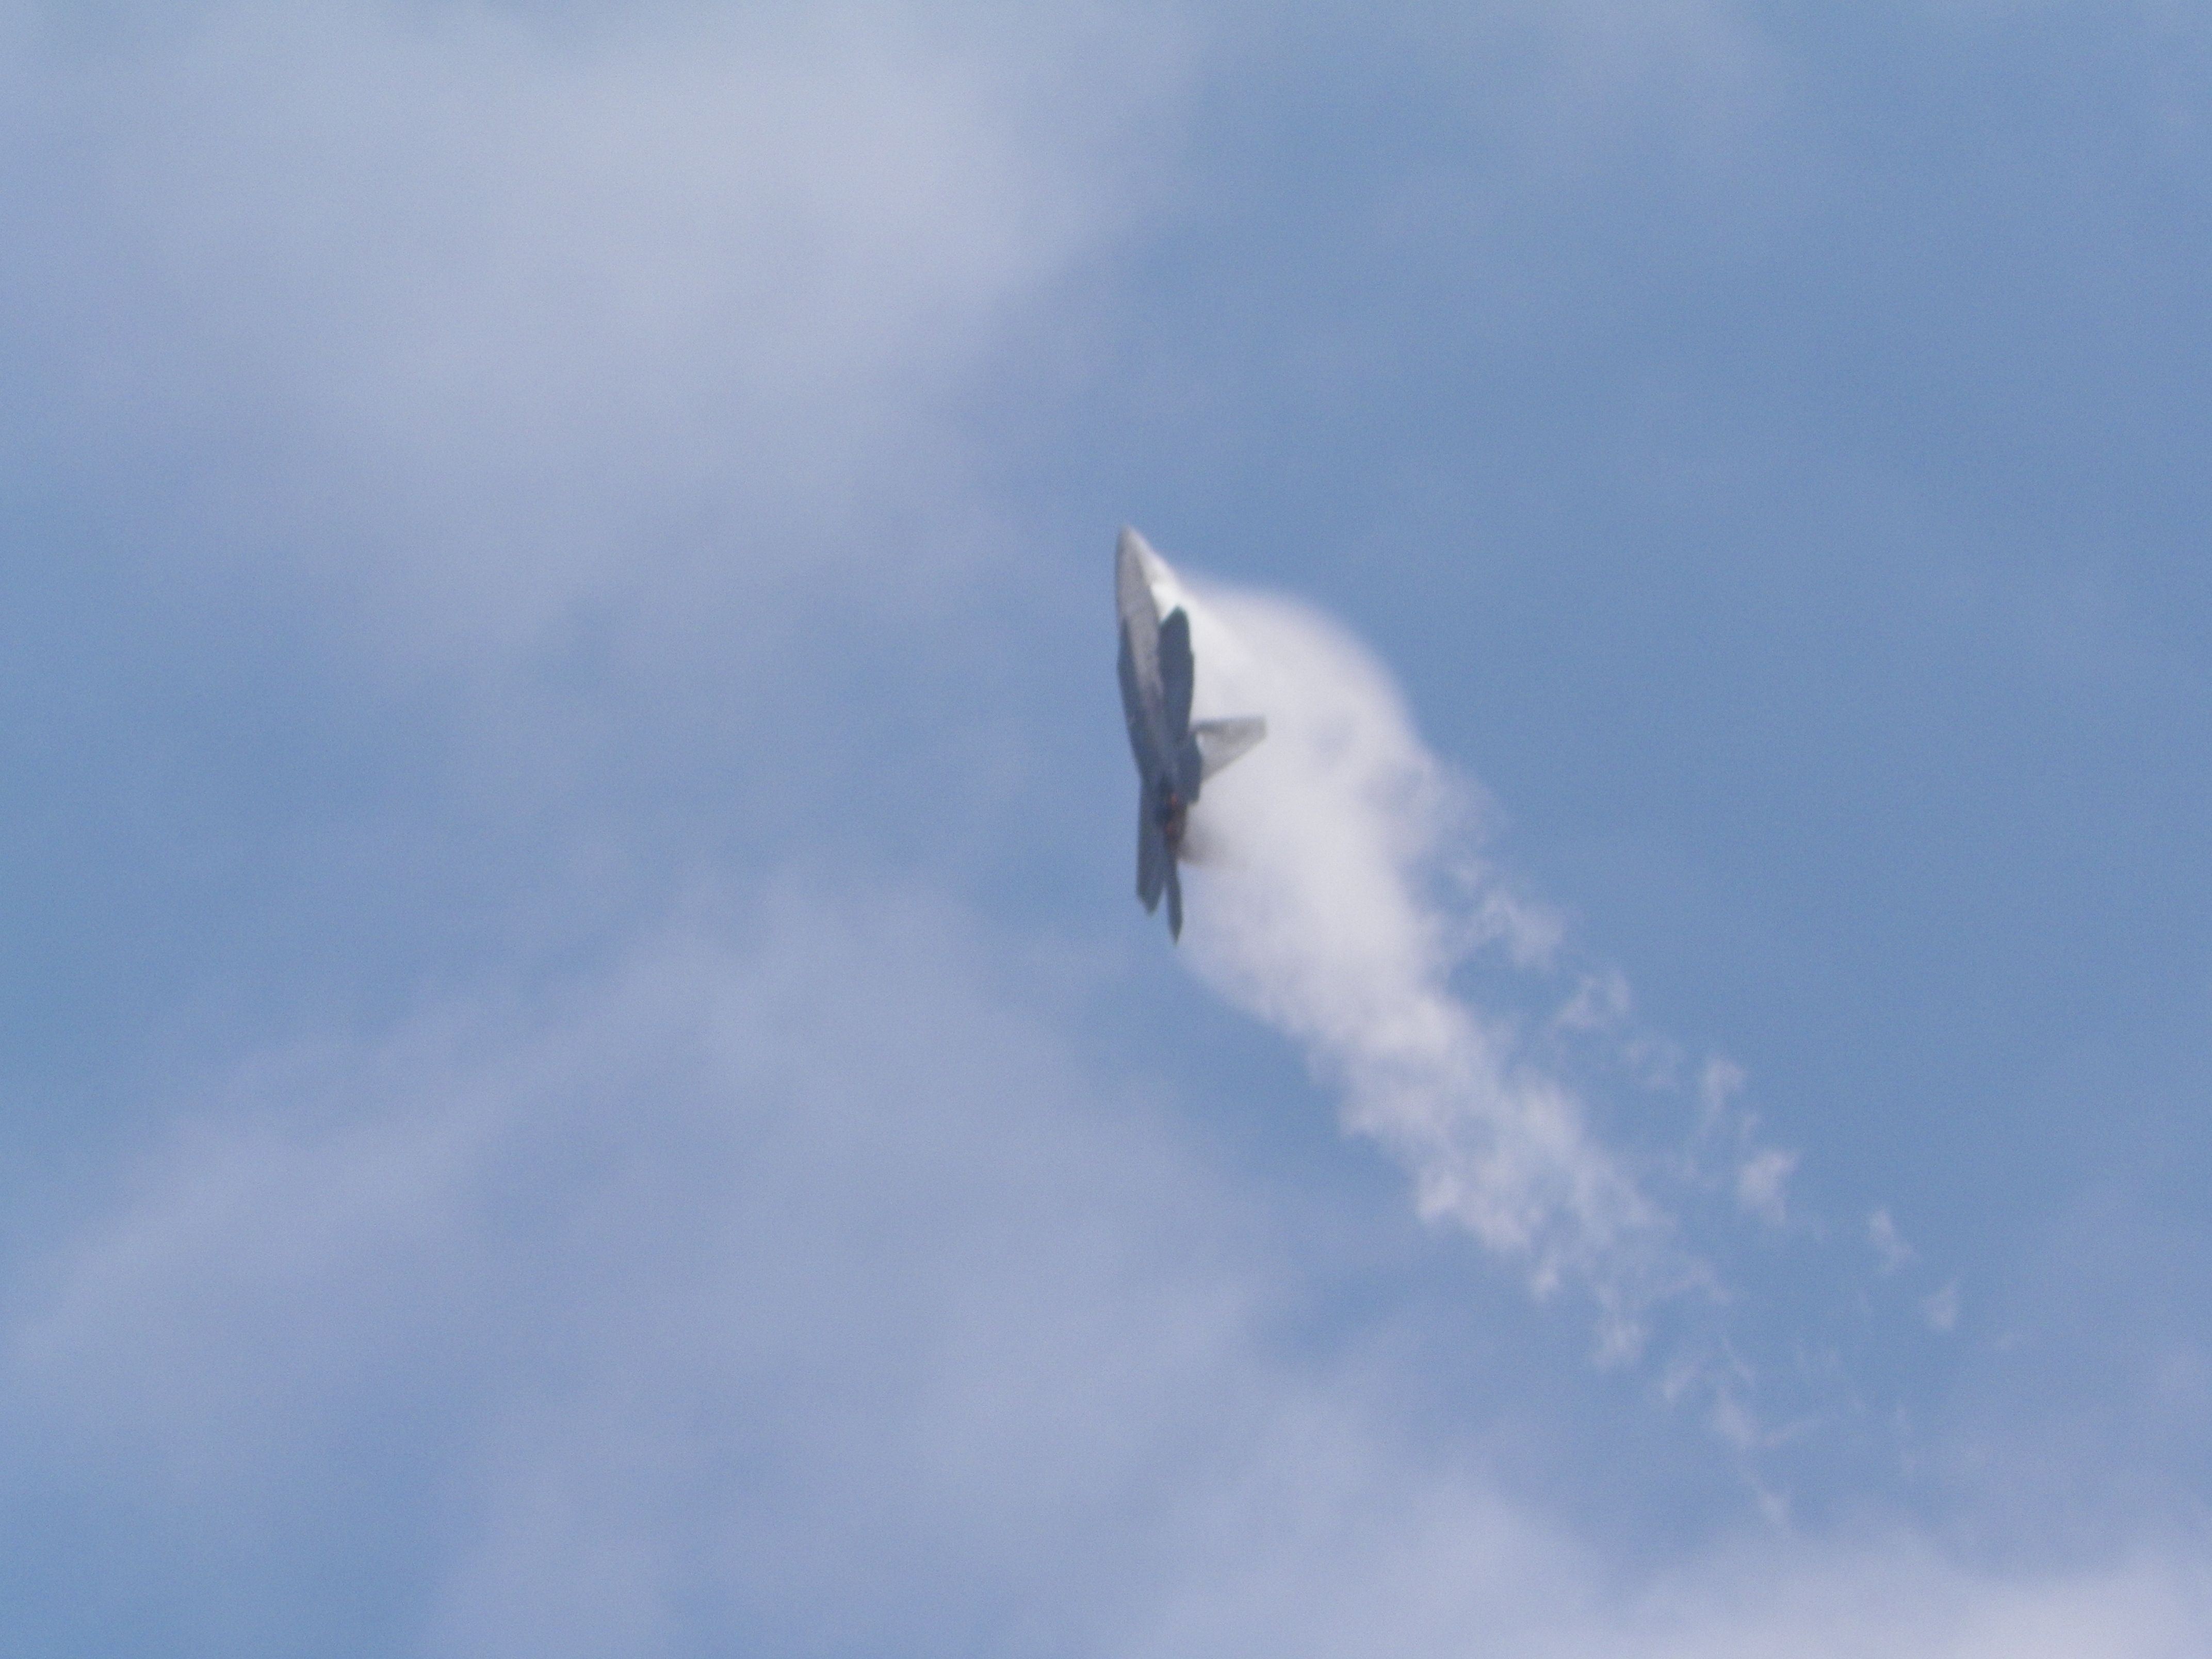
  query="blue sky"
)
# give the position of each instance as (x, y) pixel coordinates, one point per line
(579, 1072)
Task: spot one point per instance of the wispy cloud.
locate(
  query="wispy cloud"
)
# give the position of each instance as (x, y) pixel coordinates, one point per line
(1761, 1184)
(1357, 888)
(796, 1239)
(483, 318)
(1941, 1308)
(1890, 1250)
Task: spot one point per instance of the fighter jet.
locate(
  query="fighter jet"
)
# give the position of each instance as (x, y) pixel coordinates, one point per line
(1174, 758)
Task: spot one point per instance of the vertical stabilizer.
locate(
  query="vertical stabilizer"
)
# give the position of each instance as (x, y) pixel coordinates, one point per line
(1178, 674)
(1155, 864)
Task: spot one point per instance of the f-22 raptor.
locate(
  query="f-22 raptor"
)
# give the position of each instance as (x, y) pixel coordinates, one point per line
(1174, 758)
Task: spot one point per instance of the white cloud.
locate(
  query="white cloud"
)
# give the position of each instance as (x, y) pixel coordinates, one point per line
(789, 1286)
(1761, 1183)
(1939, 1308)
(784, 1282)
(1347, 909)
(1889, 1246)
(1719, 1082)
(735, 1260)
(484, 319)
(1903, 1598)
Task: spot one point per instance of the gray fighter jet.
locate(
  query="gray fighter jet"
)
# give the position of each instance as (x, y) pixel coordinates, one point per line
(1174, 758)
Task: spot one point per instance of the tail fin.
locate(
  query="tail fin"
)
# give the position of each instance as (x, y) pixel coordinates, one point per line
(1154, 866)
(1178, 673)
(1220, 742)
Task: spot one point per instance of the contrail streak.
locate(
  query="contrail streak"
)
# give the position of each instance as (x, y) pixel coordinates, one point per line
(1353, 895)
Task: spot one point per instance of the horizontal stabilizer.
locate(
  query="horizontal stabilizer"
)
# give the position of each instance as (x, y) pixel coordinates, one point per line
(1220, 742)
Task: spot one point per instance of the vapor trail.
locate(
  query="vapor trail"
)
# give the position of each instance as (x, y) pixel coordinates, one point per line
(1356, 891)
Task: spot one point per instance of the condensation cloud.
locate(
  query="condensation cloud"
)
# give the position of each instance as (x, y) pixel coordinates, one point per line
(1352, 892)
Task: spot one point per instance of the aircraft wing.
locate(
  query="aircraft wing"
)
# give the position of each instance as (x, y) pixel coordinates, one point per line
(1142, 702)
(1140, 626)
(1133, 585)
(1139, 712)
